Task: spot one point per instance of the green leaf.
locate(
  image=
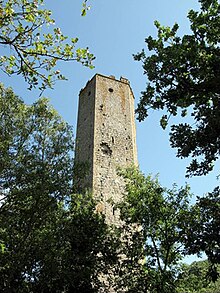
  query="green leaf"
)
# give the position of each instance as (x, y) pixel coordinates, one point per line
(164, 121)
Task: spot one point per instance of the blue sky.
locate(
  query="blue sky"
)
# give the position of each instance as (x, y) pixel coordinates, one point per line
(114, 30)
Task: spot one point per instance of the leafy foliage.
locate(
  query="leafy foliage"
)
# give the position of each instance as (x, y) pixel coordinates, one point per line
(85, 8)
(193, 279)
(51, 240)
(35, 47)
(156, 218)
(160, 227)
(204, 230)
(184, 76)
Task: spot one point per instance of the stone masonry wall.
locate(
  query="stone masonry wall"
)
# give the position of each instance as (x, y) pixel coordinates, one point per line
(106, 137)
(85, 135)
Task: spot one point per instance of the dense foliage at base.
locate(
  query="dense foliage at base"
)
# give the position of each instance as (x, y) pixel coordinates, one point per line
(193, 279)
(51, 240)
(160, 228)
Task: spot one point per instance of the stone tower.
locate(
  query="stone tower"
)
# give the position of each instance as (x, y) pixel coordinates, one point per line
(106, 138)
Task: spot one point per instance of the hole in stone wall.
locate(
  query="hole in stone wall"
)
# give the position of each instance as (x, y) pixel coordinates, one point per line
(101, 107)
(113, 140)
(110, 90)
(106, 149)
(89, 93)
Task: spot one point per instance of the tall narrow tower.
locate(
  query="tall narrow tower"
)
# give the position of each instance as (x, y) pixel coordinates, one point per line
(106, 137)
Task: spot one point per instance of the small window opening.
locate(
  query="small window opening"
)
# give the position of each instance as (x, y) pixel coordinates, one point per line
(113, 211)
(110, 90)
(89, 93)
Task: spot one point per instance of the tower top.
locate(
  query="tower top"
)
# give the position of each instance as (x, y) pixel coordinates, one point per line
(110, 77)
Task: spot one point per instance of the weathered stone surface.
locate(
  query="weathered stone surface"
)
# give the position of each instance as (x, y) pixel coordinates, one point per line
(106, 138)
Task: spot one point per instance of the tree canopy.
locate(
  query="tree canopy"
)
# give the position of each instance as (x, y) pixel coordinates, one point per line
(161, 227)
(51, 238)
(33, 45)
(160, 215)
(183, 79)
(203, 230)
(193, 279)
